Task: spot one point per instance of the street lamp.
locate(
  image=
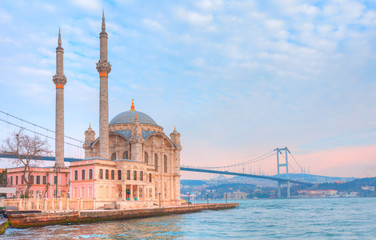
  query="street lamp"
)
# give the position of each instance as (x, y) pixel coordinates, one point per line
(207, 198)
(159, 197)
(57, 169)
(188, 197)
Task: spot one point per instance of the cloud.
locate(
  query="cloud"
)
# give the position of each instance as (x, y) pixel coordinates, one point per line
(4, 16)
(194, 18)
(341, 161)
(154, 25)
(33, 71)
(88, 5)
(210, 4)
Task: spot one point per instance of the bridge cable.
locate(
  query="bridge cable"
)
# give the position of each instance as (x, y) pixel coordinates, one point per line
(35, 125)
(36, 132)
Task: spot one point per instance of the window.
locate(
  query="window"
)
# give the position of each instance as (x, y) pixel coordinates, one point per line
(55, 179)
(141, 176)
(119, 174)
(90, 174)
(100, 173)
(113, 156)
(149, 177)
(22, 180)
(44, 179)
(38, 179)
(76, 175)
(16, 180)
(125, 155)
(165, 163)
(146, 157)
(112, 174)
(107, 174)
(128, 174)
(11, 181)
(83, 175)
(156, 162)
(135, 175)
(32, 179)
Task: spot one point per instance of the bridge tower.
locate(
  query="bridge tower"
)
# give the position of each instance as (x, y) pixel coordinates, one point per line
(59, 80)
(283, 165)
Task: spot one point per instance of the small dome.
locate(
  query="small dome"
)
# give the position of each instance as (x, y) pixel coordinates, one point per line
(130, 116)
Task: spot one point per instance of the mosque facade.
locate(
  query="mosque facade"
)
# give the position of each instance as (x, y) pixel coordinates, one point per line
(132, 162)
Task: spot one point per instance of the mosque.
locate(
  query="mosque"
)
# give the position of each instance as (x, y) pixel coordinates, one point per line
(132, 162)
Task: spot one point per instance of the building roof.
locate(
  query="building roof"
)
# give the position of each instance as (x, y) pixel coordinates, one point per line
(130, 116)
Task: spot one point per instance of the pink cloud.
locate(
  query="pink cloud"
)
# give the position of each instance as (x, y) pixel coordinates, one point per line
(351, 161)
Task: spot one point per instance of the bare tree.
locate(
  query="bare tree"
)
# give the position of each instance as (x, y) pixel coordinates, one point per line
(28, 151)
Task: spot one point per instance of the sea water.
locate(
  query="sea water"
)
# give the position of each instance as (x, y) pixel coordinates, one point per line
(328, 218)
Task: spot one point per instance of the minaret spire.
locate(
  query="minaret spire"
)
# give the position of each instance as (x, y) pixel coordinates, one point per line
(103, 23)
(104, 68)
(60, 80)
(59, 40)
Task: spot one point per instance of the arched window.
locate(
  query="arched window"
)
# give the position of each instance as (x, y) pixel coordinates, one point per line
(31, 179)
(11, 181)
(112, 174)
(135, 175)
(119, 174)
(125, 155)
(149, 177)
(83, 175)
(90, 174)
(107, 174)
(128, 174)
(113, 156)
(76, 175)
(141, 176)
(16, 180)
(100, 173)
(146, 158)
(44, 179)
(38, 179)
(156, 162)
(165, 163)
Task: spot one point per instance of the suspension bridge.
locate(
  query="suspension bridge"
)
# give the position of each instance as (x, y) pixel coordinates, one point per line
(274, 165)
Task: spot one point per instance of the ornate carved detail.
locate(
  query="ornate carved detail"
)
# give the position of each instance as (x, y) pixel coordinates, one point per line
(59, 80)
(103, 67)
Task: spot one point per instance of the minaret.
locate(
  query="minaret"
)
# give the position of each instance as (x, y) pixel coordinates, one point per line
(60, 80)
(136, 140)
(104, 68)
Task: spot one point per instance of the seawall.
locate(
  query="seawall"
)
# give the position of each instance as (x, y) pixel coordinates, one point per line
(24, 220)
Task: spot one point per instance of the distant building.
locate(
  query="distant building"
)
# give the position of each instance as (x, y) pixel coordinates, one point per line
(237, 195)
(317, 193)
(368, 188)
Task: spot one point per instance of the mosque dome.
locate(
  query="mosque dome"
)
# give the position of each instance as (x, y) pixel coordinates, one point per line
(130, 116)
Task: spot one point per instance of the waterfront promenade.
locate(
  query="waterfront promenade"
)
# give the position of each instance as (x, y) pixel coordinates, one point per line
(22, 220)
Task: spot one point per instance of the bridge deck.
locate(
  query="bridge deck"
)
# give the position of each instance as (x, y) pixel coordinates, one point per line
(183, 168)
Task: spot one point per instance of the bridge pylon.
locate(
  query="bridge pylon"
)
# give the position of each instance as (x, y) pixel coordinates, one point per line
(285, 165)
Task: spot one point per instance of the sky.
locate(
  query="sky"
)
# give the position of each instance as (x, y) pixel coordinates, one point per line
(237, 78)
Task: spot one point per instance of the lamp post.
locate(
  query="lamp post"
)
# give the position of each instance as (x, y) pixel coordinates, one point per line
(188, 197)
(159, 197)
(207, 198)
(57, 169)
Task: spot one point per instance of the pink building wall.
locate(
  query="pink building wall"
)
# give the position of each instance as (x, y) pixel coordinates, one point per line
(43, 183)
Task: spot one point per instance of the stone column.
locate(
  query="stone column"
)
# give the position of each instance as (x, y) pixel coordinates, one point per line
(60, 80)
(104, 68)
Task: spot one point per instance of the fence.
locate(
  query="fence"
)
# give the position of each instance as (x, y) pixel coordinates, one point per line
(51, 204)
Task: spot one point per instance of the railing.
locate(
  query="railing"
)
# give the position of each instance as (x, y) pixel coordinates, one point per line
(51, 204)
